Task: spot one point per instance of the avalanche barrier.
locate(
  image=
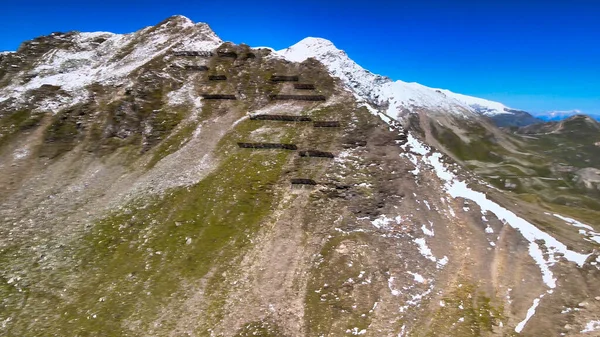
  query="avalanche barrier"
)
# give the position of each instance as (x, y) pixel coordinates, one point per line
(354, 143)
(217, 96)
(217, 77)
(316, 153)
(304, 86)
(193, 53)
(268, 146)
(303, 181)
(298, 97)
(282, 78)
(284, 118)
(196, 68)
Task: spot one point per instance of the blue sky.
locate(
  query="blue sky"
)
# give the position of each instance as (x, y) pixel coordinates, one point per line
(529, 54)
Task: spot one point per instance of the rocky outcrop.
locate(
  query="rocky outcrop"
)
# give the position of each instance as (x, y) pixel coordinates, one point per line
(589, 177)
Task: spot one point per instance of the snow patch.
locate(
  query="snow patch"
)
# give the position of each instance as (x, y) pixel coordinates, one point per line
(591, 326)
(426, 252)
(427, 231)
(456, 188)
(424, 249)
(588, 231)
(402, 331)
(356, 332)
(417, 277)
(394, 292)
(530, 313)
(20, 154)
(416, 299)
(383, 222)
(573, 222)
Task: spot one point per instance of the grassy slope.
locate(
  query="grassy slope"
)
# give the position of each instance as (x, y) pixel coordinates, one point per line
(134, 261)
(530, 172)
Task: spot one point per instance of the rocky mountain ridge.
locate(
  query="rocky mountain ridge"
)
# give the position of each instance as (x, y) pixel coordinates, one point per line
(399, 96)
(76, 60)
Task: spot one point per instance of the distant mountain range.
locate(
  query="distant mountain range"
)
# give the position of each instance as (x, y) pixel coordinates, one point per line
(563, 114)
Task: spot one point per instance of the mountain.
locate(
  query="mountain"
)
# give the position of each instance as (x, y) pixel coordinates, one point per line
(558, 115)
(400, 96)
(569, 125)
(553, 116)
(167, 183)
(515, 118)
(574, 139)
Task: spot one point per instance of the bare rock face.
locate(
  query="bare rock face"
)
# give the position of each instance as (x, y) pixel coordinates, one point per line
(129, 208)
(589, 177)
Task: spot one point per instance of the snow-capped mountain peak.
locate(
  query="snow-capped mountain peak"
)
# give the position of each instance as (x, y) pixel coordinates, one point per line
(380, 90)
(102, 57)
(360, 80)
(180, 20)
(558, 114)
(309, 47)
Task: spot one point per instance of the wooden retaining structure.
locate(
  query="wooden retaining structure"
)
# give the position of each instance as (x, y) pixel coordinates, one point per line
(304, 86)
(193, 53)
(283, 78)
(195, 68)
(280, 146)
(354, 143)
(298, 97)
(326, 124)
(230, 54)
(316, 154)
(217, 96)
(217, 77)
(303, 181)
(283, 118)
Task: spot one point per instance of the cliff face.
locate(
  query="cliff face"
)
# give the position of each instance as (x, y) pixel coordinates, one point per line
(129, 208)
